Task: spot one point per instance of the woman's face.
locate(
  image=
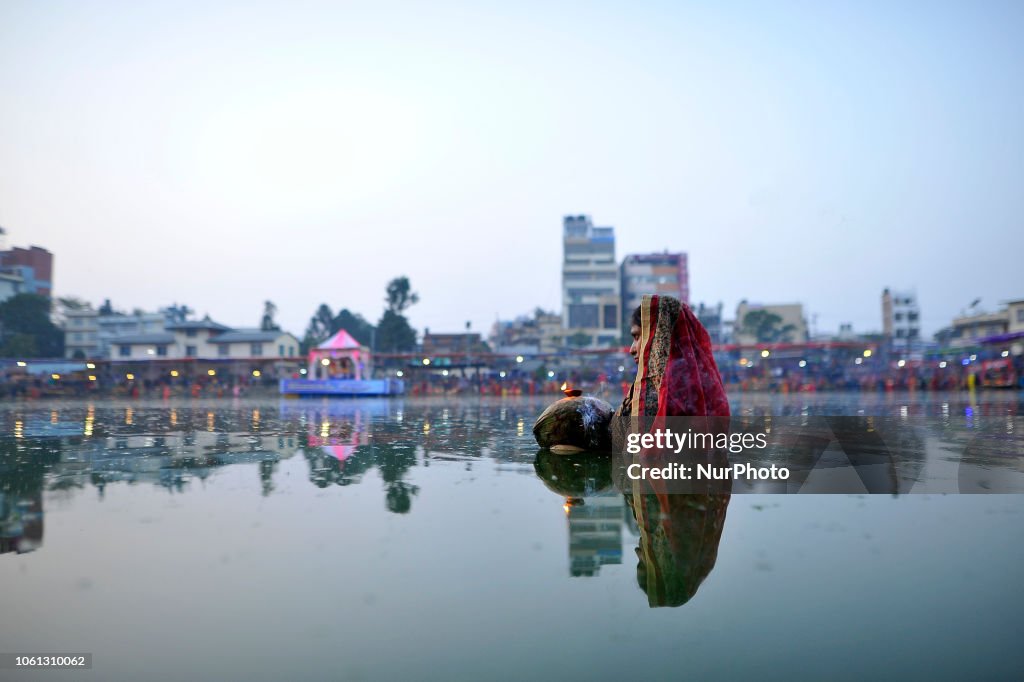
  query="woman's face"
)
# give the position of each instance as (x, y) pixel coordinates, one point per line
(634, 350)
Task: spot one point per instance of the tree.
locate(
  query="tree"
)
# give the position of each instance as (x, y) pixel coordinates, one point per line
(175, 313)
(106, 308)
(765, 327)
(29, 315)
(319, 327)
(267, 323)
(398, 295)
(356, 325)
(393, 331)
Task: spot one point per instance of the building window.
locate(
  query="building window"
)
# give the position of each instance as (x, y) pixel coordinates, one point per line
(255, 349)
(898, 317)
(582, 315)
(224, 350)
(280, 350)
(161, 351)
(124, 351)
(611, 317)
(912, 317)
(291, 351)
(190, 352)
(1020, 314)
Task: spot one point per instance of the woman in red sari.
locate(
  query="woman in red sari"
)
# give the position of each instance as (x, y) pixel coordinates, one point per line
(676, 377)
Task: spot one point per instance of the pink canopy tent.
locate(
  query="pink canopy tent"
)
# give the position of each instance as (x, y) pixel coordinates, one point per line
(339, 357)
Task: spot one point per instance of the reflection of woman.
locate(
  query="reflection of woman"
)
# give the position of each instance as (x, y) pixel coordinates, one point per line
(676, 377)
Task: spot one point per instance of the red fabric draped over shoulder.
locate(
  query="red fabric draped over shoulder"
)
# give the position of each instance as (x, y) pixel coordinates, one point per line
(676, 373)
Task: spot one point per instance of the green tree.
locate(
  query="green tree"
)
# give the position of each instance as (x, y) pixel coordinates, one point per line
(29, 315)
(319, 327)
(766, 327)
(267, 323)
(393, 331)
(356, 325)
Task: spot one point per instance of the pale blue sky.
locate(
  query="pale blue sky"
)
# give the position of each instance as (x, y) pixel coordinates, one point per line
(218, 154)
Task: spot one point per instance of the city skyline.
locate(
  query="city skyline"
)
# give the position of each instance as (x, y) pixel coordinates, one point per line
(209, 156)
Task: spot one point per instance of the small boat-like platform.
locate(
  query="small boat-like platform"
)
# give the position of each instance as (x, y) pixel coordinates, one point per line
(342, 387)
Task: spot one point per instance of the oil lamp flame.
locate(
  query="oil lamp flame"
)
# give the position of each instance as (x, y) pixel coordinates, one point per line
(571, 392)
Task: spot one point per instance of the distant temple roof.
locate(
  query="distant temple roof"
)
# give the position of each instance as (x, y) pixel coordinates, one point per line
(340, 341)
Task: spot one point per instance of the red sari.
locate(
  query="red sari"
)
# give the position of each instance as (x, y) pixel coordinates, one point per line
(676, 377)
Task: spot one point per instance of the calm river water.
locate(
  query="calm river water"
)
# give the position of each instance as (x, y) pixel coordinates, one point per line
(406, 539)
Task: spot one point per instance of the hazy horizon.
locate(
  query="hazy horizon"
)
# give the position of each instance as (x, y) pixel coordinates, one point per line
(308, 153)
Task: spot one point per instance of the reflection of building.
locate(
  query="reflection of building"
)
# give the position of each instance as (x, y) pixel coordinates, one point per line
(21, 523)
(653, 273)
(901, 318)
(591, 284)
(595, 534)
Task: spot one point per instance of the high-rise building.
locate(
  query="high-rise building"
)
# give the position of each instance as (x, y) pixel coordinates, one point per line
(33, 265)
(653, 273)
(591, 284)
(901, 318)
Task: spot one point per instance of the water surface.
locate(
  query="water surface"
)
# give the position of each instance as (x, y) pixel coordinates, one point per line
(308, 540)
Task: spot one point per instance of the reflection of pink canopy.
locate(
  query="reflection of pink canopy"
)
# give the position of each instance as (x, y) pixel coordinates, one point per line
(336, 349)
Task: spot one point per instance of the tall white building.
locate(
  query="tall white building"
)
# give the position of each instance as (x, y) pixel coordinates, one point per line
(901, 318)
(591, 284)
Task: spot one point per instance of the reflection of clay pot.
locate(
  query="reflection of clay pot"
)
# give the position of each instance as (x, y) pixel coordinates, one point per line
(574, 475)
(575, 425)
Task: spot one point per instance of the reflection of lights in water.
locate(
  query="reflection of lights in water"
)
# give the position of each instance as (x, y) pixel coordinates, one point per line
(325, 429)
(520, 427)
(426, 427)
(129, 416)
(903, 411)
(444, 414)
(255, 419)
(174, 417)
(209, 421)
(399, 416)
(19, 429)
(54, 417)
(90, 420)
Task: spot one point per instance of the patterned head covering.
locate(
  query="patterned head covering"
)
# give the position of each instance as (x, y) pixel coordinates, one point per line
(676, 374)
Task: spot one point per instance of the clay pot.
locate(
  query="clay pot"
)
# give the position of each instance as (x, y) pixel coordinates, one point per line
(575, 424)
